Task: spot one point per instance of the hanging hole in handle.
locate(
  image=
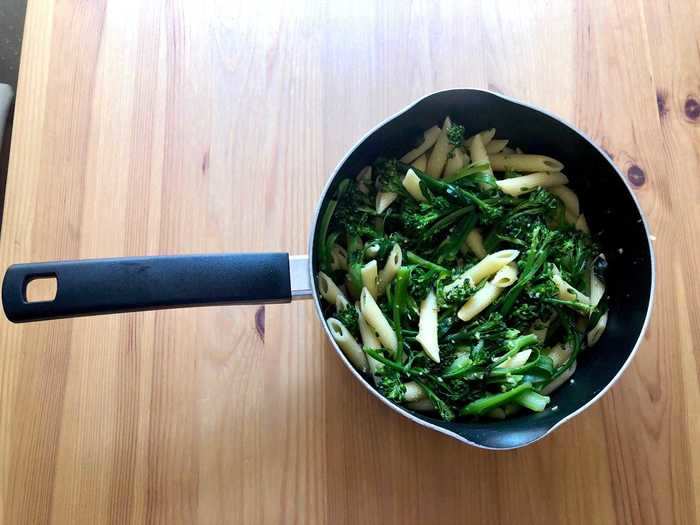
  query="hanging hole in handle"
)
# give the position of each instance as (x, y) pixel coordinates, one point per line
(41, 289)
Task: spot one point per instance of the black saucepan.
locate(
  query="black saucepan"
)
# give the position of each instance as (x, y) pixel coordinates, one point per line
(102, 286)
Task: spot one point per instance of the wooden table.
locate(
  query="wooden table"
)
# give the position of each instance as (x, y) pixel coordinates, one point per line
(166, 127)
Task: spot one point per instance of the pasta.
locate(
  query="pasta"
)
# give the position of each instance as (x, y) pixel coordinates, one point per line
(455, 162)
(427, 327)
(430, 136)
(523, 162)
(375, 318)
(478, 283)
(568, 197)
(393, 263)
(412, 184)
(475, 243)
(487, 294)
(496, 146)
(369, 340)
(527, 183)
(347, 344)
(420, 163)
(438, 157)
(384, 200)
(369, 277)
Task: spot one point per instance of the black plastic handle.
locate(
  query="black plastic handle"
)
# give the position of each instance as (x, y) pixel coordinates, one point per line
(105, 286)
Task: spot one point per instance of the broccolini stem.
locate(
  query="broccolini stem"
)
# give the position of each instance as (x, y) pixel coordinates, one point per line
(377, 354)
(532, 400)
(486, 403)
(416, 259)
(514, 346)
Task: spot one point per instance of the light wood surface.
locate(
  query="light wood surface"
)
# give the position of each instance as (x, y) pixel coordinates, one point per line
(161, 127)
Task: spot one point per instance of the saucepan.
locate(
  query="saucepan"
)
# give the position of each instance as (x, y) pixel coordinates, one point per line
(106, 286)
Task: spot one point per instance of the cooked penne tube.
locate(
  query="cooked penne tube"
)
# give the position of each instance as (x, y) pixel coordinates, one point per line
(455, 162)
(430, 136)
(424, 405)
(383, 200)
(339, 258)
(329, 290)
(508, 151)
(527, 183)
(412, 184)
(484, 269)
(569, 217)
(582, 224)
(364, 179)
(517, 360)
(597, 331)
(347, 344)
(438, 157)
(393, 263)
(369, 277)
(477, 152)
(375, 318)
(490, 264)
(427, 327)
(486, 138)
(568, 197)
(524, 163)
(566, 291)
(488, 293)
(496, 146)
(414, 392)
(420, 163)
(559, 354)
(341, 303)
(369, 340)
(540, 327)
(475, 243)
(551, 387)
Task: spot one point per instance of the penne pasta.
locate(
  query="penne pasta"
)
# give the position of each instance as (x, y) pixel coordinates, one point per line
(540, 328)
(570, 218)
(347, 344)
(490, 264)
(488, 293)
(393, 263)
(559, 354)
(474, 243)
(420, 163)
(551, 387)
(369, 340)
(369, 277)
(486, 138)
(341, 303)
(329, 290)
(455, 162)
(566, 291)
(414, 392)
(524, 163)
(424, 405)
(375, 318)
(339, 258)
(527, 183)
(430, 136)
(383, 200)
(596, 332)
(364, 179)
(517, 360)
(438, 157)
(427, 327)
(496, 146)
(412, 184)
(568, 197)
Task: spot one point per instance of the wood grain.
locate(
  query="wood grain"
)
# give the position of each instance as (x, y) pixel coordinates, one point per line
(176, 126)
